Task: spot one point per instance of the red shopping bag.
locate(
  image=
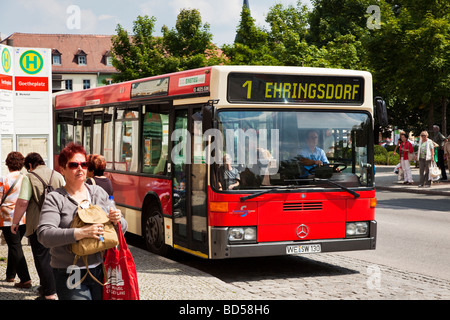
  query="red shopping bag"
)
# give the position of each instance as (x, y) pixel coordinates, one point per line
(122, 282)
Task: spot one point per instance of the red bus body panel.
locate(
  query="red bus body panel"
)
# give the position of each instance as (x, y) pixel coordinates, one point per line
(277, 216)
(131, 190)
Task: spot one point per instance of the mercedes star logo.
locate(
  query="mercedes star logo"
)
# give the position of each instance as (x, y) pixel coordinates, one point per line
(302, 231)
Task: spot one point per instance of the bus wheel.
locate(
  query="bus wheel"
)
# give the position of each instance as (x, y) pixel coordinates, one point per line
(154, 231)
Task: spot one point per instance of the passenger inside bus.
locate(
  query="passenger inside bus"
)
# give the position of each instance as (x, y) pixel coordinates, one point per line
(230, 176)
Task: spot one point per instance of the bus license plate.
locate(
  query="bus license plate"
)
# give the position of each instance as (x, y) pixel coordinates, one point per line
(305, 248)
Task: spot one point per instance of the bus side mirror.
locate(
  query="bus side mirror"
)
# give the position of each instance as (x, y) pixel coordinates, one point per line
(380, 111)
(208, 112)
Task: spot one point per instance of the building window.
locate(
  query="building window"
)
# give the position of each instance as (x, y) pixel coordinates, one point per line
(86, 84)
(56, 57)
(81, 57)
(109, 61)
(82, 60)
(56, 60)
(69, 84)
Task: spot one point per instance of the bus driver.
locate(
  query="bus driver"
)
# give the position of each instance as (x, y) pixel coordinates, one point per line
(312, 156)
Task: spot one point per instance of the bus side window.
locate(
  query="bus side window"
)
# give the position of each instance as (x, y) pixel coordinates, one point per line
(126, 146)
(155, 140)
(64, 129)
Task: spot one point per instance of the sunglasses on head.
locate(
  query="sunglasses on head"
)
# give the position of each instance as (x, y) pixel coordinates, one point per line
(74, 165)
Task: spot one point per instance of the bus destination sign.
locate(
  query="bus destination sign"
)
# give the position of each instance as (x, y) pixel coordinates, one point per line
(274, 88)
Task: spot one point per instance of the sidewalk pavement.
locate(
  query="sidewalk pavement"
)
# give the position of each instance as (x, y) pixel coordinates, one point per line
(164, 279)
(159, 278)
(386, 179)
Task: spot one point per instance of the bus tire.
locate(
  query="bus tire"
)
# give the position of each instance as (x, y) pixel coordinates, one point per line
(154, 231)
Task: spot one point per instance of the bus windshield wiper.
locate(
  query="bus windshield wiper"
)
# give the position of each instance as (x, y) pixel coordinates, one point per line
(353, 193)
(269, 191)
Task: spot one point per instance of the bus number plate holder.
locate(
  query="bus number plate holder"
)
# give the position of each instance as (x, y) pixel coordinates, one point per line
(303, 249)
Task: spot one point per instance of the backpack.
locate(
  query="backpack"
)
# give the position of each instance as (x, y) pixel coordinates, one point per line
(47, 188)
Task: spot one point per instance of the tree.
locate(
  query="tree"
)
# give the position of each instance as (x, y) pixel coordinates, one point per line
(250, 46)
(331, 19)
(138, 55)
(287, 37)
(189, 44)
(409, 56)
(339, 27)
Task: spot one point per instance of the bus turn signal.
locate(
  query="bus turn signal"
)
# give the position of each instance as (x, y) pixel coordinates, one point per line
(218, 206)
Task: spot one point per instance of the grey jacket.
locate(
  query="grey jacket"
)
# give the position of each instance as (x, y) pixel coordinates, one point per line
(54, 230)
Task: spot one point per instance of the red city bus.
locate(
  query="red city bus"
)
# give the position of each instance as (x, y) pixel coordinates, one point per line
(235, 161)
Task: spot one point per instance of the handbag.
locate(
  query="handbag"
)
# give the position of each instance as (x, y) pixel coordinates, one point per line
(92, 214)
(122, 281)
(435, 172)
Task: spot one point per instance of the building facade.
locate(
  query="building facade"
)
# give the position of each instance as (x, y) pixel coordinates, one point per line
(78, 61)
(70, 62)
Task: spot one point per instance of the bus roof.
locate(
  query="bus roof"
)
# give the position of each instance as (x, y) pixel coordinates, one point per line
(183, 84)
(180, 84)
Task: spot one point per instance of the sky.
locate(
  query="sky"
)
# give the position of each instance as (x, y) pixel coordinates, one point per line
(102, 16)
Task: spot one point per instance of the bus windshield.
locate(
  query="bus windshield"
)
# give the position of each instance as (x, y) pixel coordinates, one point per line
(316, 149)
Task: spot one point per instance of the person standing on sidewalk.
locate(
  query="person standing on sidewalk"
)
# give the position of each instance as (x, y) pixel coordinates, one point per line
(9, 192)
(29, 201)
(447, 152)
(440, 139)
(95, 173)
(404, 149)
(424, 155)
(54, 229)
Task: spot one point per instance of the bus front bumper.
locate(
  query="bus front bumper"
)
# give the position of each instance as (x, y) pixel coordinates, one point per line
(222, 249)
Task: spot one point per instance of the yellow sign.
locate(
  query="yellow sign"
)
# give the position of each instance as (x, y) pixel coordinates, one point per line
(31, 62)
(6, 60)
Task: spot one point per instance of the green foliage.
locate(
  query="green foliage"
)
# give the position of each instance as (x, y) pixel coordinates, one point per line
(408, 56)
(139, 55)
(380, 159)
(394, 159)
(410, 61)
(379, 150)
(189, 44)
(380, 155)
(251, 44)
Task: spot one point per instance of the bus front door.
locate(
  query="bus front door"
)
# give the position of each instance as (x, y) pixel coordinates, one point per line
(190, 224)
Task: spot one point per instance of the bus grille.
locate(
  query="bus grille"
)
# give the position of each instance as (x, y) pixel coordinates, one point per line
(302, 206)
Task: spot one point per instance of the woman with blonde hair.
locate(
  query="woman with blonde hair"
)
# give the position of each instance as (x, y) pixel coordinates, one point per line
(424, 155)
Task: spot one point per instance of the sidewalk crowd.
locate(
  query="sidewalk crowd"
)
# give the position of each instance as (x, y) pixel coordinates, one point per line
(430, 158)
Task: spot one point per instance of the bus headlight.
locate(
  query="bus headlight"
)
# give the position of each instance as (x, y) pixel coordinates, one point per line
(242, 234)
(357, 229)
